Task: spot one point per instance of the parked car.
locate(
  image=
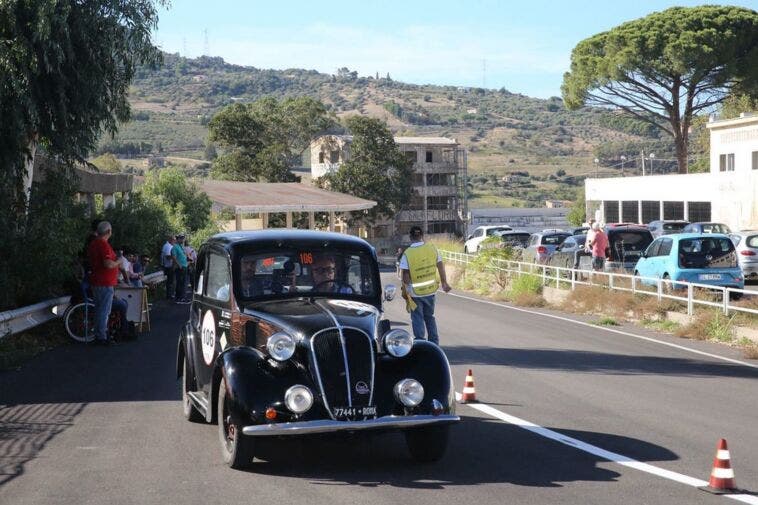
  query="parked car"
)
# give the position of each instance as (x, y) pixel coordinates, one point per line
(691, 257)
(666, 227)
(541, 245)
(625, 246)
(514, 238)
(286, 338)
(746, 245)
(565, 254)
(580, 230)
(480, 234)
(608, 226)
(707, 228)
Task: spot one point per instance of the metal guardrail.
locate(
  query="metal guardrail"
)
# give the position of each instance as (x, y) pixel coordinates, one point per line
(24, 318)
(652, 286)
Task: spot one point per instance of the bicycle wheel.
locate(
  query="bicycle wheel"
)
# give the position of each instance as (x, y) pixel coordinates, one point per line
(80, 322)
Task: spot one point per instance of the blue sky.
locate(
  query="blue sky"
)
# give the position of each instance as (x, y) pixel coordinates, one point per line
(524, 46)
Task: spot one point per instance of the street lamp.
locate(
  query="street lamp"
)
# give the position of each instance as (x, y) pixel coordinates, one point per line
(652, 157)
(623, 159)
(597, 166)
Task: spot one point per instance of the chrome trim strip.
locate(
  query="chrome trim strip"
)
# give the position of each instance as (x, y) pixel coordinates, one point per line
(326, 426)
(344, 352)
(373, 360)
(318, 372)
(200, 402)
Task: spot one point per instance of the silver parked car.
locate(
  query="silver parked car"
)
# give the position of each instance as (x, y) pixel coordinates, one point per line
(542, 245)
(667, 227)
(746, 245)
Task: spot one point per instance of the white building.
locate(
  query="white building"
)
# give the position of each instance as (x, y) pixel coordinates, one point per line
(727, 194)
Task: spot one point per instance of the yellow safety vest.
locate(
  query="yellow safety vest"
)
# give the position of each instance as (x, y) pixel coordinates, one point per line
(422, 264)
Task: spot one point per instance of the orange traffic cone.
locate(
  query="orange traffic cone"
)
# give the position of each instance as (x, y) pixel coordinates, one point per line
(722, 475)
(469, 392)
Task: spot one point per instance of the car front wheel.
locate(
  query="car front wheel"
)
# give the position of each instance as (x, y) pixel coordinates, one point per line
(427, 444)
(236, 448)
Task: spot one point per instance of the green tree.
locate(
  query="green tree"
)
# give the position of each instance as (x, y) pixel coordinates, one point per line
(668, 67)
(186, 207)
(65, 69)
(376, 169)
(264, 139)
(107, 163)
(578, 213)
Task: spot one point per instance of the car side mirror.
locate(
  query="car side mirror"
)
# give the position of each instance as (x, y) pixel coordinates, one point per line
(389, 292)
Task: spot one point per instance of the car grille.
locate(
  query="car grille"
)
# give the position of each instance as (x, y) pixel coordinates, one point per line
(330, 357)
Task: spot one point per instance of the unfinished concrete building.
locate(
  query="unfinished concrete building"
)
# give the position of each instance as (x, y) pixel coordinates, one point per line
(438, 203)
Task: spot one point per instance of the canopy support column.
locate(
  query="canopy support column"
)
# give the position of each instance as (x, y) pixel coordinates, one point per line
(312, 220)
(289, 220)
(331, 220)
(237, 220)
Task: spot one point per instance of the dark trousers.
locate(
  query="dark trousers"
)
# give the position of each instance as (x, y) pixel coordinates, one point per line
(169, 272)
(181, 281)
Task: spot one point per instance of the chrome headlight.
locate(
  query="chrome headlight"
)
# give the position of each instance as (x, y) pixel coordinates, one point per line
(280, 346)
(398, 343)
(298, 399)
(409, 392)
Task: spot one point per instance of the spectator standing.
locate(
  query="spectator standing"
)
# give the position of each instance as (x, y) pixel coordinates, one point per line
(180, 270)
(124, 268)
(191, 254)
(137, 271)
(103, 278)
(420, 265)
(167, 262)
(598, 245)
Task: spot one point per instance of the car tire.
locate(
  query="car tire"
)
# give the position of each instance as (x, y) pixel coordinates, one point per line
(427, 444)
(190, 411)
(465, 250)
(236, 448)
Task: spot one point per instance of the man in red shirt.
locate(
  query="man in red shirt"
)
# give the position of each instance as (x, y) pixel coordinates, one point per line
(104, 276)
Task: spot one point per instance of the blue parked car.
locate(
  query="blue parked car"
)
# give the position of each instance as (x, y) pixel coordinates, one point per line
(692, 257)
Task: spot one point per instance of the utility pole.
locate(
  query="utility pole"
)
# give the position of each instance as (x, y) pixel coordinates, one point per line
(206, 45)
(642, 159)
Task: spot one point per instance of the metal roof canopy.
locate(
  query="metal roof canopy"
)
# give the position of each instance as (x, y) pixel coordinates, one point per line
(270, 197)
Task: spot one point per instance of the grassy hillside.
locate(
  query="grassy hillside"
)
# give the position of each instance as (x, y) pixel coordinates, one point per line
(502, 131)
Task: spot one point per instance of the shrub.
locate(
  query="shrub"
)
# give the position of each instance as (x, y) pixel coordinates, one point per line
(525, 285)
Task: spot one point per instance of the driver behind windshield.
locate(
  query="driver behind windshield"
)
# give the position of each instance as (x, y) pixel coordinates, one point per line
(325, 280)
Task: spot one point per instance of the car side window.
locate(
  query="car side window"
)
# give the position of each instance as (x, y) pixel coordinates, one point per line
(200, 273)
(219, 277)
(568, 244)
(653, 249)
(665, 247)
(478, 233)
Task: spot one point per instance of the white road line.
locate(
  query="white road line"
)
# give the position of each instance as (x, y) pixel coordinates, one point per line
(601, 453)
(582, 323)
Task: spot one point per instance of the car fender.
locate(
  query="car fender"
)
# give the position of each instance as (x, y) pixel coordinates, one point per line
(427, 364)
(184, 348)
(255, 383)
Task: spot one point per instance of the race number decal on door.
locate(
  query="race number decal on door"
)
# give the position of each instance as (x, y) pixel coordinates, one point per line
(209, 337)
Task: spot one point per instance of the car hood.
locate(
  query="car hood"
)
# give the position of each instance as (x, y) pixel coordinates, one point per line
(303, 317)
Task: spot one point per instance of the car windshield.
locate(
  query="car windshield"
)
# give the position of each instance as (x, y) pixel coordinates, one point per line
(715, 228)
(556, 239)
(707, 252)
(627, 246)
(516, 239)
(303, 271)
(673, 227)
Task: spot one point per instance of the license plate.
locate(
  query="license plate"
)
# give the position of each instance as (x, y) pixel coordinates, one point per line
(709, 277)
(354, 412)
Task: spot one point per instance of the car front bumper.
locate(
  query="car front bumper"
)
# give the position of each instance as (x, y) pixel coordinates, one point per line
(330, 426)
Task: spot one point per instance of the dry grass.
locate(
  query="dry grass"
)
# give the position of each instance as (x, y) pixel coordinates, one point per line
(750, 351)
(528, 300)
(709, 325)
(598, 300)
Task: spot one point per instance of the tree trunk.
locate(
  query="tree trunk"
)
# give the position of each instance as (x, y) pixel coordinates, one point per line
(680, 144)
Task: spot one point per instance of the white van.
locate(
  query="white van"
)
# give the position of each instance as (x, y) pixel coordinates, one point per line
(480, 234)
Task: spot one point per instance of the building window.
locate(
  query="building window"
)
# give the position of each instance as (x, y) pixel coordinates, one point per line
(611, 212)
(440, 179)
(651, 210)
(673, 210)
(699, 211)
(411, 156)
(418, 179)
(755, 160)
(630, 211)
(440, 202)
(428, 156)
(726, 162)
(442, 227)
(321, 157)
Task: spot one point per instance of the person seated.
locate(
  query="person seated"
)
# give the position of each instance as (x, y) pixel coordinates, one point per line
(324, 270)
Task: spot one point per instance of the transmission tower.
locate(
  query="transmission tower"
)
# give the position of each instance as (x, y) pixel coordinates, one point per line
(184, 47)
(484, 73)
(206, 45)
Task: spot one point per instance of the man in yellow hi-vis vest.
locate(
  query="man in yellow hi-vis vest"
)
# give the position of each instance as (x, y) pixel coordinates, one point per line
(420, 265)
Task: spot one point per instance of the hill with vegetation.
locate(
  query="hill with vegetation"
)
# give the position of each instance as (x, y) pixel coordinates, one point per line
(503, 132)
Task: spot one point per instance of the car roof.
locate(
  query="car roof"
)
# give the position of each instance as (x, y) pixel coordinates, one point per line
(680, 236)
(285, 237)
(489, 226)
(514, 232)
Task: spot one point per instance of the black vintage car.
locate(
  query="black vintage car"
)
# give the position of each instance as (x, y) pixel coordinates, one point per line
(286, 338)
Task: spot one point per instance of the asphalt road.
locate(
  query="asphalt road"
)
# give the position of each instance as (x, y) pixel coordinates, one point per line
(103, 425)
